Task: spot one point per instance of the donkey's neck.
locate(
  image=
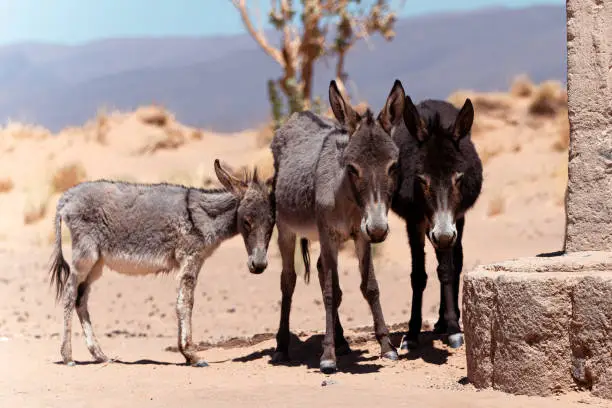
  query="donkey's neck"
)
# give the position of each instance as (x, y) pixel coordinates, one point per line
(213, 214)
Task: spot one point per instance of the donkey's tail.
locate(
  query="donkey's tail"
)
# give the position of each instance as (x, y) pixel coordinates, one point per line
(59, 268)
(306, 258)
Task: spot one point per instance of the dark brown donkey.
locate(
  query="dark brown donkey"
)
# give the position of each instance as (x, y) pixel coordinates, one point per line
(440, 179)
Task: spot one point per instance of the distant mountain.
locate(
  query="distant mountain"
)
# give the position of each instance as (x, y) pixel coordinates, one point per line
(220, 83)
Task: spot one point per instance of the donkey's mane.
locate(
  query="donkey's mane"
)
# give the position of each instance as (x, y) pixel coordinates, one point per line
(435, 127)
(248, 177)
(368, 117)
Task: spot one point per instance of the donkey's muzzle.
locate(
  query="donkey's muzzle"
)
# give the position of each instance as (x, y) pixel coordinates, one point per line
(258, 261)
(444, 240)
(375, 224)
(378, 233)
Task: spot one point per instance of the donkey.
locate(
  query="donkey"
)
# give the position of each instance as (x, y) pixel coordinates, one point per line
(440, 180)
(139, 229)
(334, 181)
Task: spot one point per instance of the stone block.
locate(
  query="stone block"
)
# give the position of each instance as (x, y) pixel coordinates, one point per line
(541, 326)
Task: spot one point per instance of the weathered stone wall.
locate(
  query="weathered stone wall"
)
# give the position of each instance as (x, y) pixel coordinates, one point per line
(540, 326)
(589, 194)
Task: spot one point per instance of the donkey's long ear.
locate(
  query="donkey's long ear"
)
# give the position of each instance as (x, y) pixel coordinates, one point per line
(464, 121)
(236, 186)
(343, 111)
(413, 120)
(391, 115)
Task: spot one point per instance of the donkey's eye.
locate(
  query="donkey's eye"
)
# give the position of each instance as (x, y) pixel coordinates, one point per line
(423, 180)
(353, 170)
(392, 168)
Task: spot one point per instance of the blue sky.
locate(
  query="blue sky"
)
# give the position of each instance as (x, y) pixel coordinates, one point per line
(77, 21)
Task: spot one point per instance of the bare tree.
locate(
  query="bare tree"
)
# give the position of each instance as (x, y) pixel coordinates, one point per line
(305, 38)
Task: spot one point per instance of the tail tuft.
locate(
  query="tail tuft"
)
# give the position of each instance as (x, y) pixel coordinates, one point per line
(306, 258)
(59, 269)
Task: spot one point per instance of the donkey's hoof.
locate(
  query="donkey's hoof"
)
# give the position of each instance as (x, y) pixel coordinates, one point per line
(200, 363)
(343, 350)
(391, 355)
(70, 363)
(328, 366)
(279, 357)
(455, 340)
(440, 327)
(103, 359)
(409, 343)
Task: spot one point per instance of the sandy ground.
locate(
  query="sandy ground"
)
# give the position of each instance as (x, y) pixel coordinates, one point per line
(236, 314)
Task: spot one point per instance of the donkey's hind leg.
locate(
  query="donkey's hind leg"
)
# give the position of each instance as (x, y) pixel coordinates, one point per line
(342, 346)
(286, 245)
(83, 313)
(82, 263)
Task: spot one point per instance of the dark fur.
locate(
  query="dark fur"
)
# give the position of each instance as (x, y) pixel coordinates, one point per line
(436, 148)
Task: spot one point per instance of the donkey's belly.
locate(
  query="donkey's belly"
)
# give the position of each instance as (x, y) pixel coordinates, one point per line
(134, 264)
(303, 230)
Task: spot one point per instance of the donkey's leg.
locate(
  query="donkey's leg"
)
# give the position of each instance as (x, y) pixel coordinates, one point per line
(369, 289)
(440, 326)
(446, 275)
(329, 261)
(458, 263)
(418, 281)
(82, 311)
(69, 298)
(286, 245)
(82, 263)
(190, 268)
(342, 346)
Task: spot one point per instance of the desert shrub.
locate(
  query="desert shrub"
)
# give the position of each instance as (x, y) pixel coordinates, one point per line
(6, 185)
(154, 116)
(548, 99)
(67, 176)
(522, 87)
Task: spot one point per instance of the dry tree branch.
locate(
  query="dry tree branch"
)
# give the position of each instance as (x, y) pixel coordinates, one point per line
(258, 35)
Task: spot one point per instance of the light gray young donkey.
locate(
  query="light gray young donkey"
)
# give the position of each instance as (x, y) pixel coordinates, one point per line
(139, 229)
(334, 182)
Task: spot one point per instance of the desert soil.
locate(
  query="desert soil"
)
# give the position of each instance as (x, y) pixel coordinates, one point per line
(520, 213)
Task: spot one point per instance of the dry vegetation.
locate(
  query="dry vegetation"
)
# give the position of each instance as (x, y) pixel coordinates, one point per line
(149, 145)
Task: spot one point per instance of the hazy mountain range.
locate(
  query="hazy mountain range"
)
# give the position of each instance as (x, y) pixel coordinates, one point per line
(220, 83)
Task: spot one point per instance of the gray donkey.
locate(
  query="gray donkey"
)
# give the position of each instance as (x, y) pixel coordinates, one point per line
(139, 229)
(334, 182)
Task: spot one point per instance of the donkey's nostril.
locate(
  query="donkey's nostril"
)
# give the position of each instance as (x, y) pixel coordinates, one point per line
(377, 234)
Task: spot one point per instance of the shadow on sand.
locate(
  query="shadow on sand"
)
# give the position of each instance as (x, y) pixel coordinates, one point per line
(307, 353)
(137, 362)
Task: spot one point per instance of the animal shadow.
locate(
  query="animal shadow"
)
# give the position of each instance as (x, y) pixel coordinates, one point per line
(308, 352)
(137, 362)
(426, 350)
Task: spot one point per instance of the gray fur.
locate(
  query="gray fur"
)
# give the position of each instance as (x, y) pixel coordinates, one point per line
(139, 229)
(318, 198)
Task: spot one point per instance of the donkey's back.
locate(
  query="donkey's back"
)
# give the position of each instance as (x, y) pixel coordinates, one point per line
(119, 221)
(297, 148)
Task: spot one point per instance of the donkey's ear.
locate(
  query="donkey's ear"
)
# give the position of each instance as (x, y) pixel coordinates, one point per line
(343, 111)
(464, 121)
(413, 120)
(228, 181)
(391, 115)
